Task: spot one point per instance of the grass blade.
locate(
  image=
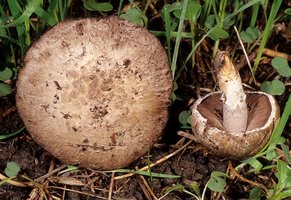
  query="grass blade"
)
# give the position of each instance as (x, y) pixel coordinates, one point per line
(9, 135)
(168, 27)
(267, 31)
(45, 16)
(244, 7)
(178, 40)
(14, 8)
(32, 5)
(10, 39)
(144, 173)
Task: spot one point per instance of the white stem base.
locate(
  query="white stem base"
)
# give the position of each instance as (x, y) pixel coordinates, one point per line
(235, 115)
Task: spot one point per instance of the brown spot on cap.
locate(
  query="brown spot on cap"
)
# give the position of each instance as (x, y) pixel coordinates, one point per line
(95, 90)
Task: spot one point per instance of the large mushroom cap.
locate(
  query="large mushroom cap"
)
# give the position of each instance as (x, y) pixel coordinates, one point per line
(206, 120)
(95, 92)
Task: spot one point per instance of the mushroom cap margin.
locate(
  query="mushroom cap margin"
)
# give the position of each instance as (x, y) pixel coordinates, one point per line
(95, 92)
(227, 144)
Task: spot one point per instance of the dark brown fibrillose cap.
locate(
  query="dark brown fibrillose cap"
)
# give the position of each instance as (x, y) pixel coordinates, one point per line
(206, 120)
(95, 92)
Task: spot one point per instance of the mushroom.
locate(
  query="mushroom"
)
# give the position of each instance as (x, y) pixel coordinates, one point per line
(95, 92)
(232, 123)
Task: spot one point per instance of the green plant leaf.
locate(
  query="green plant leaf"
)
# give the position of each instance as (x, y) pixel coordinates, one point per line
(176, 187)
(217, 182)
(5, 89)
(256, 165)
(48, 17)
(184, 117)
(52, 6)
(135, 16)
(6, 180)
(70, 168)
(92, 5)
(271, 155)
(156, 175)
(15, 12)
(10, 39)
(250, 34)
(255, 194)
(144, 173)
(218, 174)
(168, 8)
(12, 169)
(288, 11)
(274, 87)
(228, 22)
(283, 175)
(284, 194)
(194, 187)
(6, 74)
(267, 31)
(274, 141)
(9, 135)
(173, 96)
(281, 140)
(285, 149)
(281, 65)
(218, 33)
(193, 11)
(210, 21)
(30, 8)
(175, 87)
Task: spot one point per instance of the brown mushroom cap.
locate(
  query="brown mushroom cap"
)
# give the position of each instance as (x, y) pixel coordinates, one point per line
(206, 120)
(95, 92)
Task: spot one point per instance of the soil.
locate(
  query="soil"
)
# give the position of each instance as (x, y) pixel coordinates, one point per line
(35, 163)
(193, 164)
(49, 177)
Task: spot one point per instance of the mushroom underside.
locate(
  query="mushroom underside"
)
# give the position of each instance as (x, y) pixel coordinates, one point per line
(208, 130)
(259, 110)
(90, 95)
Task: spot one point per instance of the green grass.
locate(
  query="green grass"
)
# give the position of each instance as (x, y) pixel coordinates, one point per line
(268, 29)
(21, 22)
(5, 136)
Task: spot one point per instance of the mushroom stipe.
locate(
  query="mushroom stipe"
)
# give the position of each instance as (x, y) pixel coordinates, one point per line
(95, 92)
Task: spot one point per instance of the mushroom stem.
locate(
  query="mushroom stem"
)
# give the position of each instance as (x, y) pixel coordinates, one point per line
(235, 111)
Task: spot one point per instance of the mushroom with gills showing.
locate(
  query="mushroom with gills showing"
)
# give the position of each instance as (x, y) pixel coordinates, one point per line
(95, 92)
(232, 123)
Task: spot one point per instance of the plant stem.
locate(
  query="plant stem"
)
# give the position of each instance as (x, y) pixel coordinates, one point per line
(172, 34)
(178, 40)
(254, 15)
(268, 29)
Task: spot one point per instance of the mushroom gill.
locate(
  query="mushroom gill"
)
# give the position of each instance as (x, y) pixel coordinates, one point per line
(208, 129)
(233, 123)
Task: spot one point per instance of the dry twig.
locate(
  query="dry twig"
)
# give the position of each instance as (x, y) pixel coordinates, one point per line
(246, 55)
(155, 163)
(235, 173)
(272, 53)
(50, 173)
(111, 186)
(16, 183)
(146, 187)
